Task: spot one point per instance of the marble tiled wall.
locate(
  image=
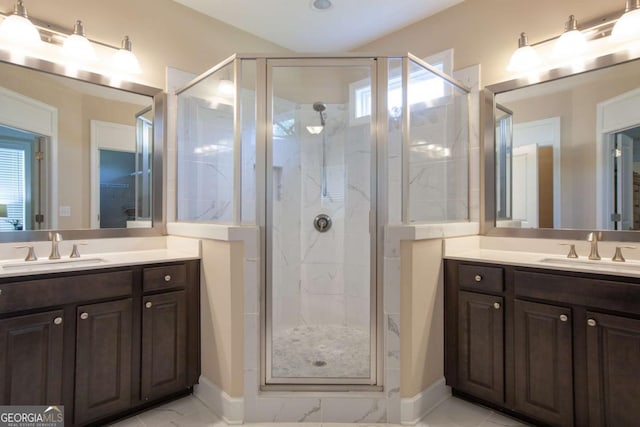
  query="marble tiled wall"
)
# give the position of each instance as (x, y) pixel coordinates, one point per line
(438, 160)
(205, 160)
(322, 278)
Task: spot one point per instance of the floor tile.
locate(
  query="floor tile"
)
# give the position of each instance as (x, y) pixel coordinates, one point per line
(191, 412)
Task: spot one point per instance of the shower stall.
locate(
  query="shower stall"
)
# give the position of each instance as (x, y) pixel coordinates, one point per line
(322, 153)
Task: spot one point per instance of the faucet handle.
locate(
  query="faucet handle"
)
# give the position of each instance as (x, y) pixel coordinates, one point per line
(31, 255)
(75, 253)
(572, 250)
(618, 255)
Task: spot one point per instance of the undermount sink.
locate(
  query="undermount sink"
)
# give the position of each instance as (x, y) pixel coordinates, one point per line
(601, 264)
(49, 264)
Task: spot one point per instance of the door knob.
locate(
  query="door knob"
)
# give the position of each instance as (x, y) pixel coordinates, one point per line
(57, 321)
(496, 305)
(563, 318)
(148, 304)
(592, 322)
(84, 316)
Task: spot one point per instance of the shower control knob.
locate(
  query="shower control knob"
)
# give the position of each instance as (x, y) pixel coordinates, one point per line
(322, 223)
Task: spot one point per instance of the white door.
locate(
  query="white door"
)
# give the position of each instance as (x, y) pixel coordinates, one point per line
(525, 185)
(542, 133)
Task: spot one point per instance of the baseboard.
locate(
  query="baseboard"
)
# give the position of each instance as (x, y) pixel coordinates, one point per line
(413, 409)
(230, 409)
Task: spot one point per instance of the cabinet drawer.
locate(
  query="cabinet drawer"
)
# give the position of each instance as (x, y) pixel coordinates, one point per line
(18, 296)
(481, 278)
(164, 277)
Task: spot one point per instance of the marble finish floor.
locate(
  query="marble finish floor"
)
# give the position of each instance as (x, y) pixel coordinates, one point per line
(321, 351)
(191, 412)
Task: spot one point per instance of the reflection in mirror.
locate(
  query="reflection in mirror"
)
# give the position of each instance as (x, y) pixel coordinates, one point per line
(73, 155)
(504, 144)
(576, 152)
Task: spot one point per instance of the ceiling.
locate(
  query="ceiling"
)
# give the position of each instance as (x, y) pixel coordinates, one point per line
(295, 25)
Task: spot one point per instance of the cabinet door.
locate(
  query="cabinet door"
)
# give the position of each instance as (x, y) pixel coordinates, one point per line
(164, 344)
(481, 345)
(543, 362)
(103, 359)
(31, 359)
(613, 370)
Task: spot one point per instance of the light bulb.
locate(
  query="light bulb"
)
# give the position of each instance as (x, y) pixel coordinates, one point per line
(628, 27)
(524, 58)
(77, 46)
(124, 60)
(571, 43)
(17, 30)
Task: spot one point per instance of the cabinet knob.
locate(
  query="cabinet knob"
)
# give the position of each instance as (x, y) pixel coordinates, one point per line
(496, 305)
(563, 318)
(592, 322)
(57, 321)
(84, 316)
(167, 278)
(148, 304)
(478, 278)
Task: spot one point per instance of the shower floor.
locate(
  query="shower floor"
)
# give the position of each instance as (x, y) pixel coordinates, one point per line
(321, 351)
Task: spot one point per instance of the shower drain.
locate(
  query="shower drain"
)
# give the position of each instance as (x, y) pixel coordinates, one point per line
(319, 363)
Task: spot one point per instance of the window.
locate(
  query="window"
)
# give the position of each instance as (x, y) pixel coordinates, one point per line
(423, 85)
(13, 182)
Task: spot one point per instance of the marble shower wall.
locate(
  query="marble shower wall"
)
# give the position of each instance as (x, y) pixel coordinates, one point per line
(205, 160)
(322, 278)
(438, 159)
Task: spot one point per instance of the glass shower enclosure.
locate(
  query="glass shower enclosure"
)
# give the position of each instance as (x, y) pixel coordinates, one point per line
(322, 153)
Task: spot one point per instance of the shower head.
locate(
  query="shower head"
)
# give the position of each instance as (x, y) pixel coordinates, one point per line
(321, 108)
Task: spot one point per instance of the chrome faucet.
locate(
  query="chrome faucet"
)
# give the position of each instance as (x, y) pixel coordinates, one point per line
(593, 238)
(55, 238)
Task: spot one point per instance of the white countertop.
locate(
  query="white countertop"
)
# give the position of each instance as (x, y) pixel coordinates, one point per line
(177, 249)
(472, 249)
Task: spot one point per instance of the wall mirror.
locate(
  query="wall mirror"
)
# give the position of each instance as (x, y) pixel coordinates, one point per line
(563, 154)
(81, 154)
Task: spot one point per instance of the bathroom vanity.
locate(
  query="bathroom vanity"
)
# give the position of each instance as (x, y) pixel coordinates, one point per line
(551, 346)
(102, 342)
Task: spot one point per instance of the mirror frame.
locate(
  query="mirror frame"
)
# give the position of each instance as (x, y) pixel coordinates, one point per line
(158, 227)
(487, 149)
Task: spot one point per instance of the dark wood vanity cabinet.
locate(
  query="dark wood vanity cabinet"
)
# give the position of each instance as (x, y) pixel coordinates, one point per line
(101, 343)
(31, 353)
(481, 345)
(164, 353)
(104, 345)
(552, 347)
(543, 364)
(613, 369)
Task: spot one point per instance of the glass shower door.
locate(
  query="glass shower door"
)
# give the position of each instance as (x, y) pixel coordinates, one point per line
(320, 222)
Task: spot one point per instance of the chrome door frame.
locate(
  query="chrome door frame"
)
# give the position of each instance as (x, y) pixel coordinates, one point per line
(377, 214)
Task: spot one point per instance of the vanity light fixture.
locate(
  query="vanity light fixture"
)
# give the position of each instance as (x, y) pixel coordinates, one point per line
(77, 46)
(25, 37)
(572, 42)
(628, 26)
(18, 30)
(576, 47)
(524, 58)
